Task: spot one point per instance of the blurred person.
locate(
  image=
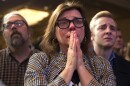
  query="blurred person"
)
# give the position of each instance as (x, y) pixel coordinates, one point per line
(127, 54)
(14, 58)
(64, 61)
(103, 36)
(119, 44)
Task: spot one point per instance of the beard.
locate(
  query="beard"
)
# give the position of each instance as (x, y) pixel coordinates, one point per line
(17, 40)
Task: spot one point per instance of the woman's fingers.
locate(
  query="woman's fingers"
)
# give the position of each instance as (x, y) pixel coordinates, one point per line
(71, 55)
(71, 42)
(79, 54)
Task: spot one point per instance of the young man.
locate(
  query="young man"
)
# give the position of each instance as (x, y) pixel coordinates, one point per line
(103, 35)
(14, 58)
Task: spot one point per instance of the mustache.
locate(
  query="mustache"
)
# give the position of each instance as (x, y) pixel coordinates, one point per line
(15, 32)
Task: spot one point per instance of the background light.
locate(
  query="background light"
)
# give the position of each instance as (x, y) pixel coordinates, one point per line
(33, 16)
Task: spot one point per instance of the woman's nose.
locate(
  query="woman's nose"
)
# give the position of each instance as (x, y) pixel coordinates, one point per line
(72, 26)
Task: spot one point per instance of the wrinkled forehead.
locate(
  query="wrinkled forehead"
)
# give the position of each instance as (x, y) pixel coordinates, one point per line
(11, 18)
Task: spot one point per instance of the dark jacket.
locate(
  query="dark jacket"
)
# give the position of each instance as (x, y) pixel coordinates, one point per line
(121, 68)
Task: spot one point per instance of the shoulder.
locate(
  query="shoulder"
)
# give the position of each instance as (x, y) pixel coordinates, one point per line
(41, 56)
(121, 62)
(97, 59)
(37, 61)
(3, 56)
(3, 52)
(100, 60)
(100, 63)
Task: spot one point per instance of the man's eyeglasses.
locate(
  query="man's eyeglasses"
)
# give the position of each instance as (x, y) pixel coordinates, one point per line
(65, 23)
(17, 23)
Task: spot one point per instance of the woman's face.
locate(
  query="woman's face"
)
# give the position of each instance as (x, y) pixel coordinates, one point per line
(68, 21)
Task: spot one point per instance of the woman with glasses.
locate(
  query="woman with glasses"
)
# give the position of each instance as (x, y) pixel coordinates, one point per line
(65, 60)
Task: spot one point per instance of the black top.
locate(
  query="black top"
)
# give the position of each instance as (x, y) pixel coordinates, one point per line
(121, 68)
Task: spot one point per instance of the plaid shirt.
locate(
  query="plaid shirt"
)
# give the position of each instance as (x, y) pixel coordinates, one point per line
(11, 71)
(41, 72)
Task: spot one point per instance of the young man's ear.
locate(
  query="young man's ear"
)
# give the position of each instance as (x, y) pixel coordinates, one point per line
(92, 36)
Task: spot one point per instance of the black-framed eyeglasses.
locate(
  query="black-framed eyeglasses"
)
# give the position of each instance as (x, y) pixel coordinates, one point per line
(17, 23)
(65, 23)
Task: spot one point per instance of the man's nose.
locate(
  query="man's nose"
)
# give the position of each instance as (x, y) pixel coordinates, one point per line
(13, 27)
(108, 30)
